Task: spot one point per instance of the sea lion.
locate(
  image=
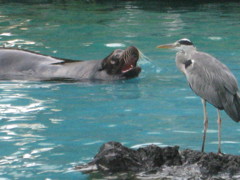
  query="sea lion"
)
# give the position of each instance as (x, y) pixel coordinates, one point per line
(17, 64)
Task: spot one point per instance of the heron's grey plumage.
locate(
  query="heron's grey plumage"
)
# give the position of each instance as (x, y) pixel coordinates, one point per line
(213, 81)
(210, 79)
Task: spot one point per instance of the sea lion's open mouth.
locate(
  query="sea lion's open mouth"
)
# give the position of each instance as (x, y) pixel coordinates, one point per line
(122, 63)
(130, 57)
(129, 66)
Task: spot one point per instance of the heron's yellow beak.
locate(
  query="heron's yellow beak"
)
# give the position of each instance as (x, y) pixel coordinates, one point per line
(167, 46)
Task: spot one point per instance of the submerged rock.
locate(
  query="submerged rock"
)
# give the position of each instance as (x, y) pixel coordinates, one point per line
(116, 160)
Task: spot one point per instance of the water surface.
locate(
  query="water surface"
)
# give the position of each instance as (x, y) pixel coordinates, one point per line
(46, 128)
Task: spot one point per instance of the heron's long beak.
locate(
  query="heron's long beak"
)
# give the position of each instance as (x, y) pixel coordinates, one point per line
(167, 46)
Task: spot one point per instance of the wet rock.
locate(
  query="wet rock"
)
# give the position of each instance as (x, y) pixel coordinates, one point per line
(114, 157)
(160, 163)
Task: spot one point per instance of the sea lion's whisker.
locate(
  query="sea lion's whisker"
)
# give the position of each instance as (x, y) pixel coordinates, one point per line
(142, 56)
(126, 56)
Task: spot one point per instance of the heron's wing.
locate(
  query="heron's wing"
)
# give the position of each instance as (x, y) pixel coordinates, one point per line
(210, 79)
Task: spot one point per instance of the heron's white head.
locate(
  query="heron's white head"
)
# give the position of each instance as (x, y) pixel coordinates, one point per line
(181, 45)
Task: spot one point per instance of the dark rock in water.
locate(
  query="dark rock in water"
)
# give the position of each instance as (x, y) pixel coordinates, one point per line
(160, 163)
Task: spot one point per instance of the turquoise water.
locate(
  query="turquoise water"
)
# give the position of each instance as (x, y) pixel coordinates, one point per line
(47, 128)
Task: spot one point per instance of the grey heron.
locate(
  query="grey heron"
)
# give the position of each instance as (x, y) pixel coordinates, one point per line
(210, 79)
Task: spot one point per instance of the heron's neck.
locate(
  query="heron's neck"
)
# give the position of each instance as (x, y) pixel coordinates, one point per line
(189, 50)
(184, 56)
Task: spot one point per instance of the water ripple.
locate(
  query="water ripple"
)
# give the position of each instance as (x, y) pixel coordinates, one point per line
(10, 109)
(29, 126)
(185, 132)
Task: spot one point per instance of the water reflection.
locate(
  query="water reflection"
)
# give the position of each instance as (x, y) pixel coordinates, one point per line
(115, 45)
(6, 34)
(172, 23)
(20, 128)
(17, 42)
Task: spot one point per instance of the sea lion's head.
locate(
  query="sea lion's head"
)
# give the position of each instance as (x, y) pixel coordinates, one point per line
(122, 63)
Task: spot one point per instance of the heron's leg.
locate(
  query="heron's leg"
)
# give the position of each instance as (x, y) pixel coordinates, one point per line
(219, 121)
(205, 123)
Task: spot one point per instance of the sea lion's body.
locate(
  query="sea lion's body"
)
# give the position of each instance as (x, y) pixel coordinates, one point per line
(18, 64)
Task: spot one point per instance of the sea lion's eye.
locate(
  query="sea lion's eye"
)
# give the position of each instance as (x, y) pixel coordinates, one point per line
(115, 59)
(135, 55)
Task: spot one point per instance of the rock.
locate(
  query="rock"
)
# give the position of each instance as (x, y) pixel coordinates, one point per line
(160, 163)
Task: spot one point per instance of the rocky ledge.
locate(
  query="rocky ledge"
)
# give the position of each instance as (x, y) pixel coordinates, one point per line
(116, 160)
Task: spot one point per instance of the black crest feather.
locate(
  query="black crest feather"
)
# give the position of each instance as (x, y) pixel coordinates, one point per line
(185, 42)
